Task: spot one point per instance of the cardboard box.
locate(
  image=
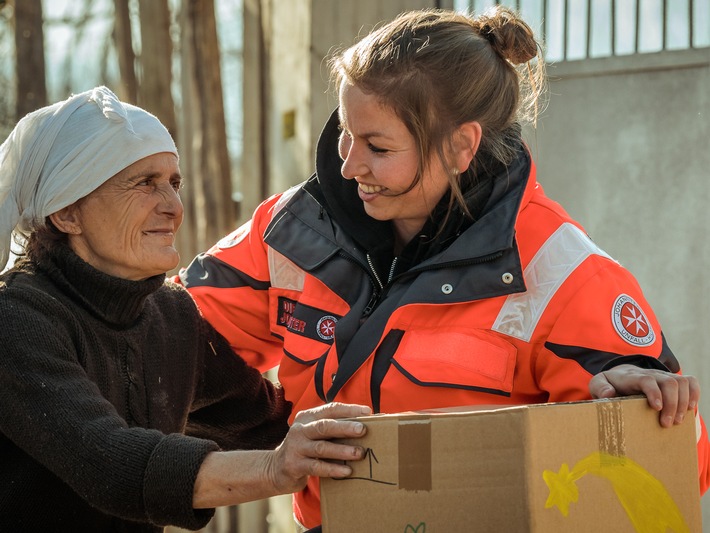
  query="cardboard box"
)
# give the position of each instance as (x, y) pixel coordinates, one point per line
(602, 465)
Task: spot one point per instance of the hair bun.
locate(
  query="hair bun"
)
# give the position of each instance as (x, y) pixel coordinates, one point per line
(508, 34)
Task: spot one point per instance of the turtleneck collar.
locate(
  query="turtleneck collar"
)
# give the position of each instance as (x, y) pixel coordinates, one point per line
(117, 301)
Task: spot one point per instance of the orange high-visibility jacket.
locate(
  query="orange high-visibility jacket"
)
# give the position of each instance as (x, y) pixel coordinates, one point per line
(521, 307)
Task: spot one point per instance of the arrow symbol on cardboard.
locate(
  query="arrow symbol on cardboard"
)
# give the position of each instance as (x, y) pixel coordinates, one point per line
(370, 456)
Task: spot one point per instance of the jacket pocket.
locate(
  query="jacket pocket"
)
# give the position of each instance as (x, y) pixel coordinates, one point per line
(475, 360)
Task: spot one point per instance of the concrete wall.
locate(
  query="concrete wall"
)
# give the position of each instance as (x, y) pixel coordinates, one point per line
(623, 146)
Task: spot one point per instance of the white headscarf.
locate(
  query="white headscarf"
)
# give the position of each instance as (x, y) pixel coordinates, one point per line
(60, 153)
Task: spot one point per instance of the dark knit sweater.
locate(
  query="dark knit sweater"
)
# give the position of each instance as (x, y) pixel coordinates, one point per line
(101, 379)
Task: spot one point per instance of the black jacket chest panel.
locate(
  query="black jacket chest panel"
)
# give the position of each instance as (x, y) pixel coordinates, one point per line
(471, 269)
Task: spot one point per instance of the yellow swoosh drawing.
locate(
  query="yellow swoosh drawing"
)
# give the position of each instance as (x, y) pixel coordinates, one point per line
(646, 501)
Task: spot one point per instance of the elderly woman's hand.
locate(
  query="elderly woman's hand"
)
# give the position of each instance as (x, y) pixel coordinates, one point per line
(671, 394)
(238, 476)
(307, 450)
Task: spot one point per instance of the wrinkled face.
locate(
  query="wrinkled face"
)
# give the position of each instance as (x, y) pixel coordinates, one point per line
(380, 153)
(126, 227)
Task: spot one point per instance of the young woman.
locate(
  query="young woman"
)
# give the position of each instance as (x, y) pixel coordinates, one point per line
(422, 265)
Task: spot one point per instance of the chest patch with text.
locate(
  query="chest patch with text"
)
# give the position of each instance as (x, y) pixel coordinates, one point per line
(307, 321)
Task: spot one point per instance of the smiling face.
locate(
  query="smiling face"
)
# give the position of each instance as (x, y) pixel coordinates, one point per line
(380, 153)
(126, 227)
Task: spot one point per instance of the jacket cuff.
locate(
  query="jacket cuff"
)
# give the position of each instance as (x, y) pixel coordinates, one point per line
(170, 481)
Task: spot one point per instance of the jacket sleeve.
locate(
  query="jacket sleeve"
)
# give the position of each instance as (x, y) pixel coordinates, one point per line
(599, 323)
(57, 415)
(234, 404)
(230, 284)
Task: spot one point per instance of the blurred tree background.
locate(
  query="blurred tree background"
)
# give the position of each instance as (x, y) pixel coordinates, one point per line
(173, 58)
(170, 57)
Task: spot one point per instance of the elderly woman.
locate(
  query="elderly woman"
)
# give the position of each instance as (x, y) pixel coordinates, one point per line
(117, 398)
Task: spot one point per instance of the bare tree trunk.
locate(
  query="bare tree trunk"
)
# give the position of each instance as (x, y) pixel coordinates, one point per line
(187, 236)
(215, 212)
(154, 93)
(124, 48)
(79, 26)
(255, 158)
(29, 45)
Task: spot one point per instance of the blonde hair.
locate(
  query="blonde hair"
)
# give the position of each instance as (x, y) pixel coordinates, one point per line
(438, 69)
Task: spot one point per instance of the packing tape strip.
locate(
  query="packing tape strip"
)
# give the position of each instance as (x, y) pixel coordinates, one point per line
(610, 420)
(414, 450)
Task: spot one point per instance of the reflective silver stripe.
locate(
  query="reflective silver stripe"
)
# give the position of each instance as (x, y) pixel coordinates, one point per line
(283, 272)
(553, 263)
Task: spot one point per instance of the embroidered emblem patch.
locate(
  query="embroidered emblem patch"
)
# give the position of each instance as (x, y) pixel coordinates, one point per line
(630, 322)
(326, 327)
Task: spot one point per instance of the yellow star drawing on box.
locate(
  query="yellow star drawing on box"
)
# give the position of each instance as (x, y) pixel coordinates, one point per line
(645, 500)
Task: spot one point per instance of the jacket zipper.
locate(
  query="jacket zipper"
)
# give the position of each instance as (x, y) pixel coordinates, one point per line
(376, 293)
(374, 272)
(377, 285)
(371, 274)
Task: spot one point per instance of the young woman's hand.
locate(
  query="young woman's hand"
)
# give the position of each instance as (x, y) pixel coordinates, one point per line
(671, 394)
